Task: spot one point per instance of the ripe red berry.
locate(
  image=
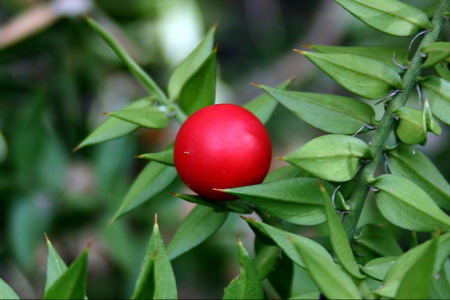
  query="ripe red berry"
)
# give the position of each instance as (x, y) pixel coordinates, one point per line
(222, 146)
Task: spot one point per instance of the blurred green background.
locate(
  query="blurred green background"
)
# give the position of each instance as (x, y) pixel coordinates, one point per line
(57, 78)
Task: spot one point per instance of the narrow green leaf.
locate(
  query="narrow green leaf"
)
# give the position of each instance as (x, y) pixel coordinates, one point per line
(164, 157)
(295, 200)
(410, 163)
(190, 64)
(406, 205)
(331, 280)
(377, 268)
(339, 240)
(56, 267)
(152, 180)
(200, 89)
(113, 128)
(362, 76)
(378, 240)
(148, 117)
(331, 157)
(72, 283)
(411, 127)
(389, 16)
(266, 259)
(435, 52)
(330, 113)
(3, 147)
(156, 279)
(236, 206)
(6, 292)
(437, 90)
(247, 285)
(199, 225)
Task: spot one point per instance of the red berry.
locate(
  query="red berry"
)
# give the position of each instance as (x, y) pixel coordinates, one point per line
(222, 146)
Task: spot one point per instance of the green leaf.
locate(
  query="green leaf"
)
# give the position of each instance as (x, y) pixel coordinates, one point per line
(389, 16)
(200, 89)
(152, 180)
(56, 267)
(417, 282)
(164, 157)
(285, 241)
(330, 113)
(362, 76)
(339, 240)
(406, 205)
(264, 105)
(148, 117)
(281, 278)
(411, 127)
(6, 292)
(443, 70)
(286, 172)
(410, 163)
(236, 206)
(379, 240)
(190, 64)
(308, 296)
(435, 52)
(432, 124)
(441, 283)
(72, 283)
(331, 280)
(384, 55)
(199, 225)
(113, 128)
(3, 147)
(266, 259)
(247, 285)
(156, 279)
(437, 90)
(331, 157)
(295, 200)
(377, 268)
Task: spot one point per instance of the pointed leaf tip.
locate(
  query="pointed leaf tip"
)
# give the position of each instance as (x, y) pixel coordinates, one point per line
(299, 51)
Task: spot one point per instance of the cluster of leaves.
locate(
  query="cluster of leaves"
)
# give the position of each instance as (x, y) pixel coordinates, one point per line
(412, 195)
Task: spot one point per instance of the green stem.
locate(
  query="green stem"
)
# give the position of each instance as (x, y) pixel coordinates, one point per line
(386, 127)
(138, 72)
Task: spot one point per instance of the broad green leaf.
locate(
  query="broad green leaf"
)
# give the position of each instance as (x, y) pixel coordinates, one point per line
(266, 259)
(377, 268)
(435, 52)
(330, 113)
(236, 206)
(152, 180)
(285, 241)
(295, 200)
(200, 89)
(199, 225)
(264, 105)
(331, 280)
(6, 292)
(3, 147)
(56, 267)
(406, 205)
(247, 284)
(386, 55)
(164, 157)
(411, 127)
(362, 76)
(331, 157)
(72, 283)
(410, 163)
(417, 282)
(190, 64)
(148, 117)
(437, 90)
(113, 128)
(339, 240)
(156, 279)
(390, 16)
(378, 240)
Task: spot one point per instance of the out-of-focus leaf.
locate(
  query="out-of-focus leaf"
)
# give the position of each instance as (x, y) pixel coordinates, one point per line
(6, 292)
(330, 113)
(247, 284)
(164, 157)
(378, 267)
(406, 205)
(156, 279)
(379, 240)
(411, 127)
(390, 16)
(200, 89)
(236, 206)
(198, 226)
(308, 296)
(266, 260)
(331, 157)
(3, 147)
(362, 76)
(410, 163)
(113, 128)
(443, 69)
(148, 117)
(435, 52)
(286, 172)
(437, 90)
(190, 64)
(56, 267)
(295, 200)
(441, 283)
(281, 278)
(153, 179)
(72, 283)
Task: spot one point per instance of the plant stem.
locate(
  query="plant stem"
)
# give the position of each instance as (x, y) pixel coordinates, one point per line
(387, 123)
